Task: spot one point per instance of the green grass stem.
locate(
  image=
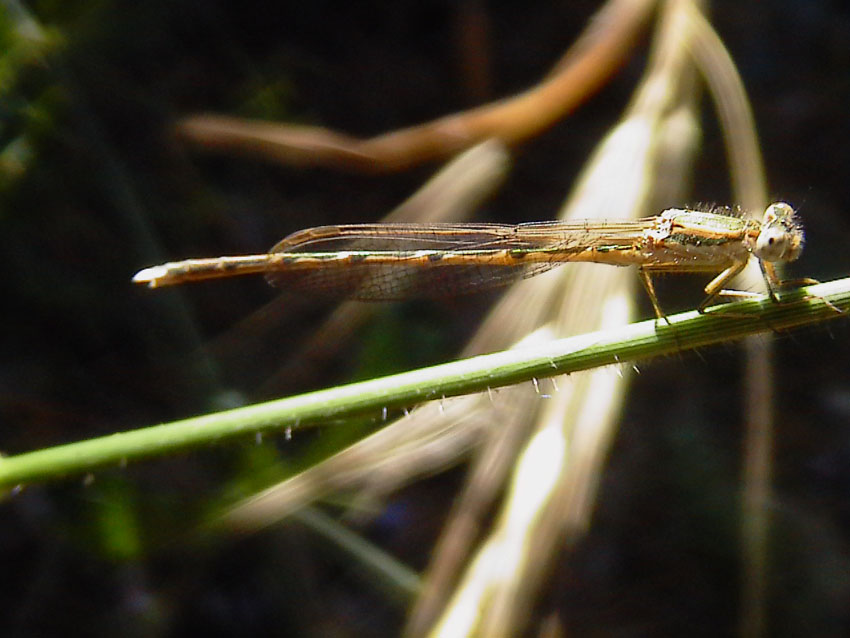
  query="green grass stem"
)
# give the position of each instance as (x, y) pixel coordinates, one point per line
(629, 343)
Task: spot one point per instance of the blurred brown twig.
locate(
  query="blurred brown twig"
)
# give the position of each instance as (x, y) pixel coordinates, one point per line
(582, 70)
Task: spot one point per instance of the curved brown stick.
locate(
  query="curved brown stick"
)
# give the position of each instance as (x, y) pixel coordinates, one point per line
(582, 70)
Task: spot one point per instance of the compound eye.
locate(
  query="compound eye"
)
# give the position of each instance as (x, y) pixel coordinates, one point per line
(778, 211)
(772, 244)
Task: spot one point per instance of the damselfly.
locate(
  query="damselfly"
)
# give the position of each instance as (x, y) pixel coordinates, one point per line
(398, 261)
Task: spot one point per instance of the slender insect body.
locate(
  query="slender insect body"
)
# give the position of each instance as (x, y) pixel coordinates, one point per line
(397, 261)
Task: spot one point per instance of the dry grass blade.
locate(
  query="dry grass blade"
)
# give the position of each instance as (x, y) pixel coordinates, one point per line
(749, 185)
(558, 446)
(555, 479)
(438, 434)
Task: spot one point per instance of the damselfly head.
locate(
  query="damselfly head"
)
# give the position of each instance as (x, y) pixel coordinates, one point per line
(781, 235)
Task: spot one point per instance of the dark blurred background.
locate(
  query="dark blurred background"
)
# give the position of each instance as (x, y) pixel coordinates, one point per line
(94, 186)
